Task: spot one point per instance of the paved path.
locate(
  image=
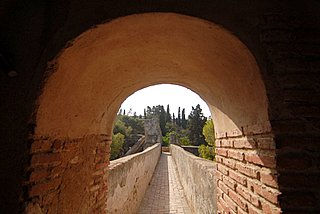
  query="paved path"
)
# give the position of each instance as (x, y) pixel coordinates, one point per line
(165, 193)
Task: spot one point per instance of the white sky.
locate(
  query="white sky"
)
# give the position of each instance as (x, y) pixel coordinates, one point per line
(164, 94)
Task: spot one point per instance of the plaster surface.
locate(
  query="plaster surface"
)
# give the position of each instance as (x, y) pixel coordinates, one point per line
(104, 65)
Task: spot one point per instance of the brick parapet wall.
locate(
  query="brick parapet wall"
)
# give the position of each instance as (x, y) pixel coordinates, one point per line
(68, 175)
(246, 174)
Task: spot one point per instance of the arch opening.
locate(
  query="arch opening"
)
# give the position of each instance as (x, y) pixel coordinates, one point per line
(130, 53)
(108, 63)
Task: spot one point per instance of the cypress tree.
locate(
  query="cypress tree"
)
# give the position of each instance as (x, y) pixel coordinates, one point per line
(183, 119)
(168, 115)
(196, 121)
(179, 118)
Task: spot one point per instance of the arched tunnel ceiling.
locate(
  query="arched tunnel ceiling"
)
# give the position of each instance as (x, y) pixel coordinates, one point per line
(108, 63)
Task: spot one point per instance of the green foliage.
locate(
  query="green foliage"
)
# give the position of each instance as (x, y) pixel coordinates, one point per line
(160, 113)
(116, 145)
(168, 115)
(121, 127)
(166, 139)
(124, 130)
(185, 141)
(135, 123)
(206, 152)
(208, 132)
(183, 119)
(196, 122)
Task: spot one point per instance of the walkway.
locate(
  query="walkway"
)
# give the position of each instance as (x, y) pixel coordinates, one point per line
(165, 193)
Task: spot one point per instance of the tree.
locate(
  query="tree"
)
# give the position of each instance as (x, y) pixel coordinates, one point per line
(179, 118)
(208, 132)
(183, 119)
(121, 127)
(168, 115)
(185, 141)
(116, 146)
(133, 123)
(173, 119)
(196, 121)
(162, 120)
(206, 152)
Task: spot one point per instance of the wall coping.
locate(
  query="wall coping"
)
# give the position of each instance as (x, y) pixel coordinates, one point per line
(203, 161)
(114, 163)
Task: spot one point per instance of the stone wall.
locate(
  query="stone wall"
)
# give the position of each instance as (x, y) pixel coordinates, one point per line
(129, 178)
(197, 178)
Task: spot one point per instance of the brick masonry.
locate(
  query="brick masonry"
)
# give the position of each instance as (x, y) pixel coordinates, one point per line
(68, 176)
(246, 176)
(293, 54)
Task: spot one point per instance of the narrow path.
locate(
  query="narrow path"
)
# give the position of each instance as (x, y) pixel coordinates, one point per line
(165, 193)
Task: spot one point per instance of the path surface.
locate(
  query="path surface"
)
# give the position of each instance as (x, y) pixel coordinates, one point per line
(165, 193)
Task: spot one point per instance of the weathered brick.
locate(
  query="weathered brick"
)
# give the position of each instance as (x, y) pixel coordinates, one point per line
(223, 206)
(41, 146)
(269, 179)
(218, 159)
(46, 159)
(230, 202)
(222, 152)
(253, 210)
(38, 175)
(218, 174)
(244, 144)
(226, 143)
(71, 146)
(269, 208)
(238, 177)
(44, 188)
(260, 159)
(245, 193)
(235, 154)
(264, 191)
(223, 187)
(265, 143)
(229, 162)
(223, 169)
(57, 171)
(239, 201)
(247, 170)
(229, 182)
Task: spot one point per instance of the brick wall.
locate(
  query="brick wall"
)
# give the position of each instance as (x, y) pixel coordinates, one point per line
(292, 45)
(246, 178)
(68, 176)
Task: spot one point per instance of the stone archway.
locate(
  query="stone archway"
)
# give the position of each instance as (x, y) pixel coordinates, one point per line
(106, 64)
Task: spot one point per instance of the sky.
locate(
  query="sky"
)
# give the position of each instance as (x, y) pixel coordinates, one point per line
(164, 94)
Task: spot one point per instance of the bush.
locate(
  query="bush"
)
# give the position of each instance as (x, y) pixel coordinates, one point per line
(208, 132)
(165, 140)
(185, 141)
(116, 145)
(206, 152)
